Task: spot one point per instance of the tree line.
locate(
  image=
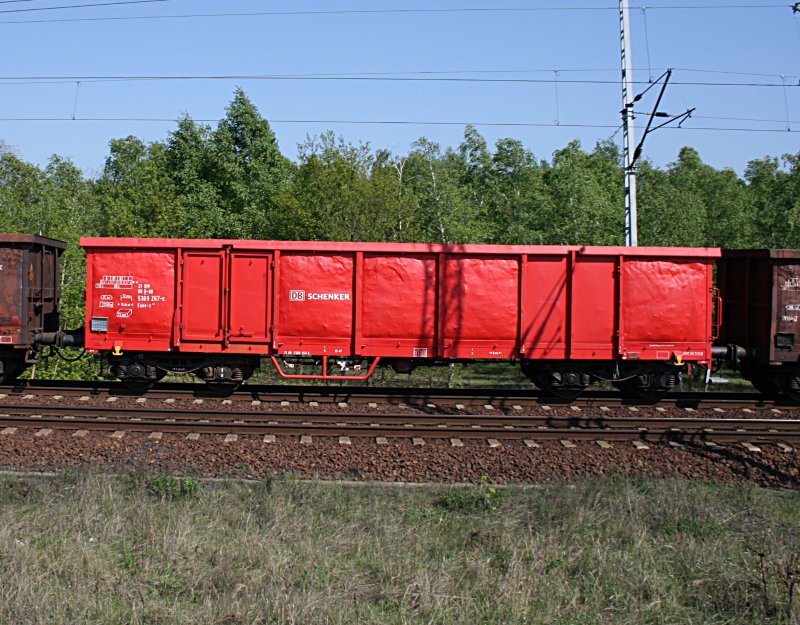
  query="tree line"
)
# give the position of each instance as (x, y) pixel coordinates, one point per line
(232, 181)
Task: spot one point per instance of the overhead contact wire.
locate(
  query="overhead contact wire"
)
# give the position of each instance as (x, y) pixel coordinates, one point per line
(391, 122)
(582, 9)
(357, 78)
(82, 6)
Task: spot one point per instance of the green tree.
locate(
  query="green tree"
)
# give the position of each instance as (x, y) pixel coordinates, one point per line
(586, 192)
(443, 212)
(22, 191)
(348, 192)
(248, 172)
(188, 159)
(775, 197)
(135, 193)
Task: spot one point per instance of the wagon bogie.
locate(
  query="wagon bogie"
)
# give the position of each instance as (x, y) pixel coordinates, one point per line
(650, 384)
(567, 379)
(789, 383)
(225, 376)
(141, 370)
(12, 364)
(564, 383)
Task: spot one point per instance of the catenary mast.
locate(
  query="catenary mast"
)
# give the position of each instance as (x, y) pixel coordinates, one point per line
(631, 234)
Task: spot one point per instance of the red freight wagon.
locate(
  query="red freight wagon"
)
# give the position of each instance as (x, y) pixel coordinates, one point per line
(570, 314)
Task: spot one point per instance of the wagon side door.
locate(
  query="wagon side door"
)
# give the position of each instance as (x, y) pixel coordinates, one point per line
(786, 318)
(203, 301)
(249, 308)
(12, 297)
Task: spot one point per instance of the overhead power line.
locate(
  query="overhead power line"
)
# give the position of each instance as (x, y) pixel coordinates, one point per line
(582, 9)
(396, 122)
(462, 72)
(78, 6)
(733, 73)
(373, 78)
(431, 10)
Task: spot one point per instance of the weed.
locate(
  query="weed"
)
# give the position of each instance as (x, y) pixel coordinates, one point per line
(777, 571)
(168, 486)
(482, 497)
(14, 491)
(130, 559)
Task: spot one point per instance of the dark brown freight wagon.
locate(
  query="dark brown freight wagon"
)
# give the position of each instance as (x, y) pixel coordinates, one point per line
(761, 294)
(29, 297)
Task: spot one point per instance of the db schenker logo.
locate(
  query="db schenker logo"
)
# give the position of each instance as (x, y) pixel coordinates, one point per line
(302, 296)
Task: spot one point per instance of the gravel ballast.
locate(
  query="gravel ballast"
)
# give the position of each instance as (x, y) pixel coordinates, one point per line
(397, 461)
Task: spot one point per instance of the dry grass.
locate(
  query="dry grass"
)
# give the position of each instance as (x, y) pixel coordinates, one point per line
(95, 549)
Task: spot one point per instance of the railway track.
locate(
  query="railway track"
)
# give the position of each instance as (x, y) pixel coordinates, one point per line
(498, 397)
(397, 425)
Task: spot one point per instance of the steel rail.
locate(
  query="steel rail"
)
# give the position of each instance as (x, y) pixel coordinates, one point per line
(391, 431)
(450, 420)
(543, 428)
(363, 394)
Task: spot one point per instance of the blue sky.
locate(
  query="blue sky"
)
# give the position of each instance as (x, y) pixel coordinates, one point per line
(576, 45)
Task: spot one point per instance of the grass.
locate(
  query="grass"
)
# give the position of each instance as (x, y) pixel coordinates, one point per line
(89, 548)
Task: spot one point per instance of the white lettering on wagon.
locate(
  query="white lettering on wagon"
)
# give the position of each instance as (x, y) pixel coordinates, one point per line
(115, 282)
(789, 318)
(142, 295)
(792, 283)
(303, 296)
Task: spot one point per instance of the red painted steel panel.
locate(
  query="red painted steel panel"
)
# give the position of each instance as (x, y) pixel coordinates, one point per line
(399, 303)
(545, 307)
(665, 301)
(316, 293)
(593, 308)
(202, 296)
(250, 297)
(134, 291)
(400, 248)
(481, 306)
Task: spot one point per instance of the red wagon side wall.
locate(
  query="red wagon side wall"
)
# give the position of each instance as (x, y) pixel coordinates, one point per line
(399, 301)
